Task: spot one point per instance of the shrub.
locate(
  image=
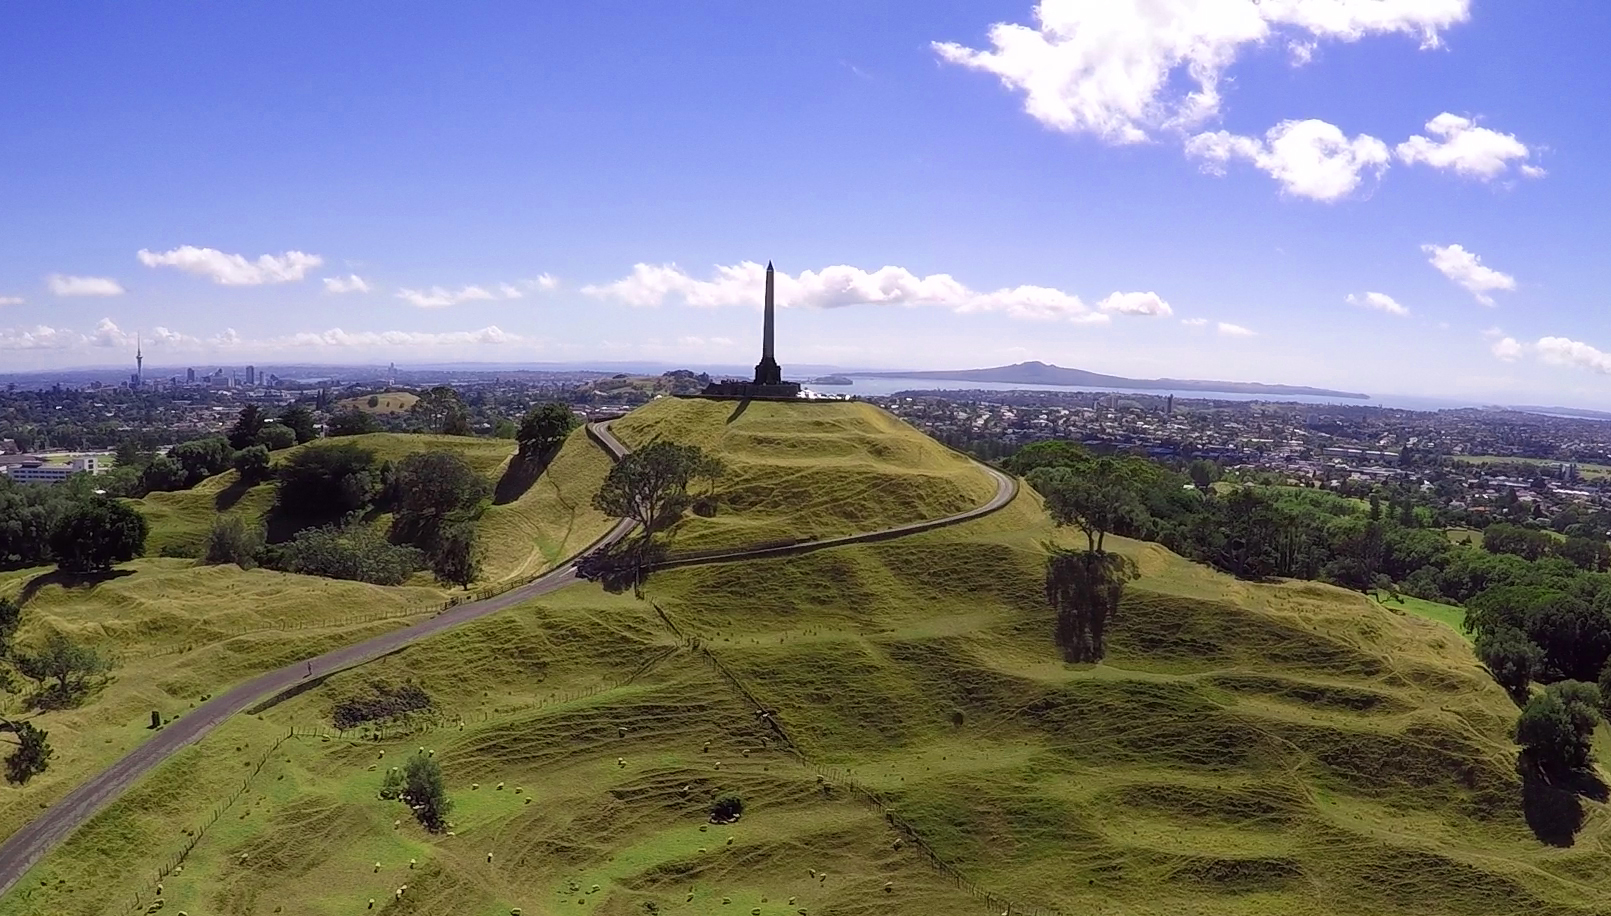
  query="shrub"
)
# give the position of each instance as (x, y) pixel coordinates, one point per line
(232, 540)
(1513, 658)
(252, 464)
(351, 422)
(380, 699)
(544, 427)
(391, 787)
(353, 552)
(275, 437)
(95, 534)
(727, 809)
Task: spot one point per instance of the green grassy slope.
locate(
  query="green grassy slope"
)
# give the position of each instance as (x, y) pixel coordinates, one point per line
(1244, 749)
(180, 631)
(808, 471)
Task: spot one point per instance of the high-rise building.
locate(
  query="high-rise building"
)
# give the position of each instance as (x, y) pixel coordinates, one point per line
(251, 376)
(190, 376)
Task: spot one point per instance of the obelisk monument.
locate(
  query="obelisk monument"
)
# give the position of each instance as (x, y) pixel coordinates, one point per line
(767, 371)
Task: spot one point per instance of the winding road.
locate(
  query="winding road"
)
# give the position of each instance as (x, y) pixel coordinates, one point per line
(27, 846)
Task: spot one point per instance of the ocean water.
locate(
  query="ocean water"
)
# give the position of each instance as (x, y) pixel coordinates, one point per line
(888, 386)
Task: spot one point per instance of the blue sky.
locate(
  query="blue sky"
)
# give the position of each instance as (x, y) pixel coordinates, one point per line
(1192, 188)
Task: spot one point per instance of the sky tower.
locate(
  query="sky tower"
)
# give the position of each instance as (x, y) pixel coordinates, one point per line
(139, 363)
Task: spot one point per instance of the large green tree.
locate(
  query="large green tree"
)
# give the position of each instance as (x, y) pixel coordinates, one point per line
(97, 533)
(425, 791)
(442, 410)
(32, 753)
(650, 485)
(544, 427)
(1096, 499)
(248, 424)
(1085, 587)
(299, 419)
(1556, 727)
(325, 480)
(61, 667)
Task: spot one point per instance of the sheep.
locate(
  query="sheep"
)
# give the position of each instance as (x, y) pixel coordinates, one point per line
(377, 867)
(412, 863)
(489, 858)
(889, 887)
(474, 786)
(371, 903)
(500, 787)
(620, 761)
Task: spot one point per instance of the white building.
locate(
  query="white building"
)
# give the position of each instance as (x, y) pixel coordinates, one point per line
(40, 472)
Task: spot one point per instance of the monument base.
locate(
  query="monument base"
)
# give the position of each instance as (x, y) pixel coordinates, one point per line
(782, 391)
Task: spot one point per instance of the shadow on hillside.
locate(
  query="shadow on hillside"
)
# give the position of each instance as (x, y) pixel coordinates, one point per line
(68, 580)
(230, 495)
(1552, 800)
(520, 475)
(622, 566)
(739, 410)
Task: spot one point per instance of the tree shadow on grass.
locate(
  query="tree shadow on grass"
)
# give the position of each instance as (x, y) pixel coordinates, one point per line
(230, 495)
(1552, 800)
(68, 580)
(739, 410)
(521, 473)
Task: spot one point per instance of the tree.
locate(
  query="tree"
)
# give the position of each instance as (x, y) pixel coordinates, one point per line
(650, 484)
(10, 619)
(97, 533)
(543, 428)
(455, 558)
(162, 475)
(248, 424)
(351, 422)
(1203, 474)
(356, 552)
(325, 480)
(429, 489)
(1096, 500)
(32, 753)
(1512, 658)
(69, 664)
(1048, 453)
(202, 458)
(1084, 587)
(252, 464)
(299, 419)
(275, 437)
(425, 791)
(441, 410)
(232, 540)
(1605, 693)
(1556, 727)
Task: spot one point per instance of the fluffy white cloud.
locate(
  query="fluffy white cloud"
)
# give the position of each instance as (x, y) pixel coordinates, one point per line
(1507, 349)
(351, 283)
(233, 269)
(63, 285)
(338, 338)
(1135, 304)
(1381, 302)
(1194, 322)
(546, 282)
(1467, 150)
(835, 287)
(1467, 270)
(11, 300)
(1563, 351)
(1234, 330)
(441, 297)
(108, 334)
(1312, 158)
(38, 337)
(1120, 69)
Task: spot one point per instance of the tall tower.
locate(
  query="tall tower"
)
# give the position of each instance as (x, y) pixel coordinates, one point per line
(767, 371)
(139, 362)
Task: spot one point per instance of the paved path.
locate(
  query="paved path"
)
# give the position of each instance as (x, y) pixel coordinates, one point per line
(30, 844)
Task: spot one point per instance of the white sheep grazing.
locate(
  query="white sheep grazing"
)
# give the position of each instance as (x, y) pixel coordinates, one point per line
(412, 863)
(489, 858)
(377, 867)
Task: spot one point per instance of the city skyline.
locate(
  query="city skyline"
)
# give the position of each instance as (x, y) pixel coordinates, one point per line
(1399, 199)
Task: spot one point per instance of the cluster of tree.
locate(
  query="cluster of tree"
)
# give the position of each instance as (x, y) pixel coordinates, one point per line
(62, 670)
(436, 500)
(70, 524)
(419, 784)
(1556, 727)
(330, 481)
(245, 447)
(354, 551)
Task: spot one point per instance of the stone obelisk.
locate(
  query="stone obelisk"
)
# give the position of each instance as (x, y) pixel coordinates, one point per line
(767, 371)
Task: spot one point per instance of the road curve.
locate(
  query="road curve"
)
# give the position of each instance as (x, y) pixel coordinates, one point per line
(27, 846)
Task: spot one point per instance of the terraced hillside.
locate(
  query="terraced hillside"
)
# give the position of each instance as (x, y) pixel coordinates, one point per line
(181, 632)
(797, 472)
(1244, 749)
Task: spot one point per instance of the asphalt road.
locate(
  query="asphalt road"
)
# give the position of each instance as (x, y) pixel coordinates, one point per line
(27, 846)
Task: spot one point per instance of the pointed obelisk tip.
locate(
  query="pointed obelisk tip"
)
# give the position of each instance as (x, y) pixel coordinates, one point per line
(769, 266)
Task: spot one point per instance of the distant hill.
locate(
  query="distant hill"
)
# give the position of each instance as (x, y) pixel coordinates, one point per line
(1038, 373)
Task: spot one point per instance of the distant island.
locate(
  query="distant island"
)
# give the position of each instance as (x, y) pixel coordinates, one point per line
(1038, 373)
(833, 380)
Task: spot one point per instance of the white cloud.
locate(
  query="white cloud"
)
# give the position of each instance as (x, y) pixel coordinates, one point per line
(351, 283)
(11, 300)
(1310, 158)
(1381, 302)
(441, 297)
(338, 338)
(1121, 69)
(62, 285)
(233, 269)
(1194, 322)
(1135, 304)
(547, 281)
(1467, 150)
(1234, 330)
(836, 287)
(1562, 351)
(1467, 270)
(108, 334)
(38, 337)
(1507, 349)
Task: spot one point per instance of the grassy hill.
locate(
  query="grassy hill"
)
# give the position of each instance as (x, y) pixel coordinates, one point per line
(181, 632)
(1286, 748)
(390, 402)
(797, 472)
